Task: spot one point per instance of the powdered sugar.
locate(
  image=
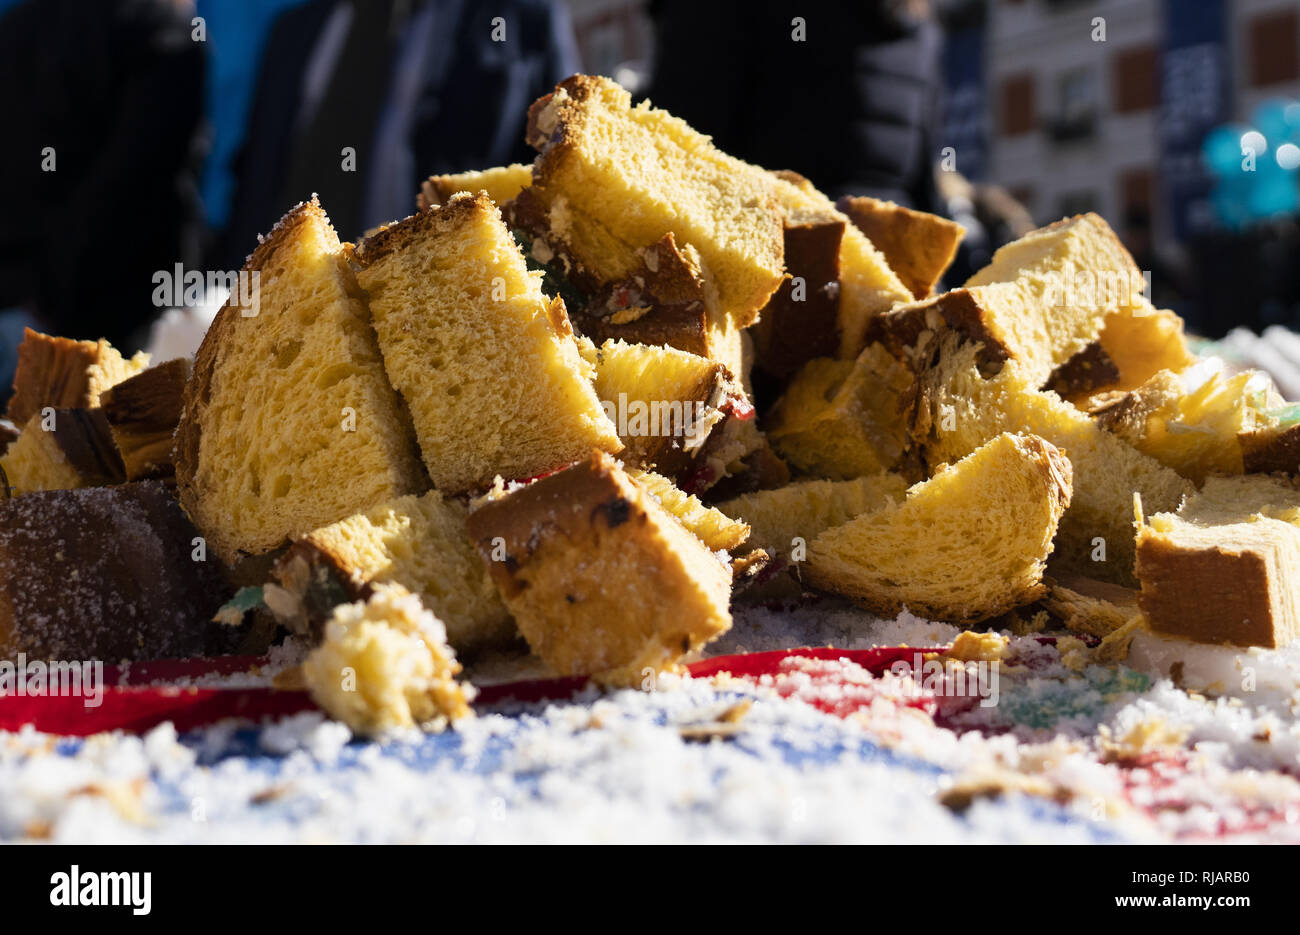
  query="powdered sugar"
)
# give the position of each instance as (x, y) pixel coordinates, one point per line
(824, 752)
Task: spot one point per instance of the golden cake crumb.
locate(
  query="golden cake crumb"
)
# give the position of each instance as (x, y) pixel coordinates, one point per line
(385, 664)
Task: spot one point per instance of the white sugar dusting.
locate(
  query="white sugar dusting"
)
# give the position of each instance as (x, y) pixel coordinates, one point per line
(1070, 752)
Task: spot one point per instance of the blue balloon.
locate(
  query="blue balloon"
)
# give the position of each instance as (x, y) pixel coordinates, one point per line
(1222, 149)
(1229, 206)
(1270, 118)
(1274, 192)
(1229, 202)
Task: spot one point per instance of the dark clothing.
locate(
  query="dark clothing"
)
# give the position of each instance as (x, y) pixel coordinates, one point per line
(468, 113)
(854, 107)
(115, 89)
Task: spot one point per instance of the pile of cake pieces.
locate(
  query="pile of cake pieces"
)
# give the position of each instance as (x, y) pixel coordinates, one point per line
(576, 409)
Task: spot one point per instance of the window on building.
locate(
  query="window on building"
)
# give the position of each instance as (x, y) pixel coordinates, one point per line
(1017, 96)
(1075, 115)
(1135, 77)
(1274, 39)
(1135, 190)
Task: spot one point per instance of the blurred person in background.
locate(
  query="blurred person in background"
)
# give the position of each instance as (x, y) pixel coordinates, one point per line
(991, 215)
(103, 101)
(408, 88)
(854, 106)
(1171, 278)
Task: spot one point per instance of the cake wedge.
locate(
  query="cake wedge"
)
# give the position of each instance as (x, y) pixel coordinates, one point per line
(966, 545)
(288, 422)
(142, 413)
(919, 247)
(1043, 299)
(841, 419)
(486, 363)
(64, 374)
(612, 177)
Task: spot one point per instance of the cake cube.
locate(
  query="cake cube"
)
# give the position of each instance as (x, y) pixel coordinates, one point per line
(1225, 568)
(664, 402)
(867, 285)
(841, 419)
(63, 449)
(600, 577)
(502, 184)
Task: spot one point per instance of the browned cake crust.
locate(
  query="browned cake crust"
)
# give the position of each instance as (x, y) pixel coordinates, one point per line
(919, 247)
(51, 372)
(84, 438)
(527, 214)
(971, 529)
(1270, 452)
(600, 578)
(662, 303)
(558, 125)
(527, 517)
(902, 329)
(434, 191)
(106, 573)
(792, 331)
(142, 413)
(1206, 595)
(1086, 372)
(87, 442)
(413, 229)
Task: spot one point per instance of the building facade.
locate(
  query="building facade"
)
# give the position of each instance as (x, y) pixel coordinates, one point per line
(1101, 104)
